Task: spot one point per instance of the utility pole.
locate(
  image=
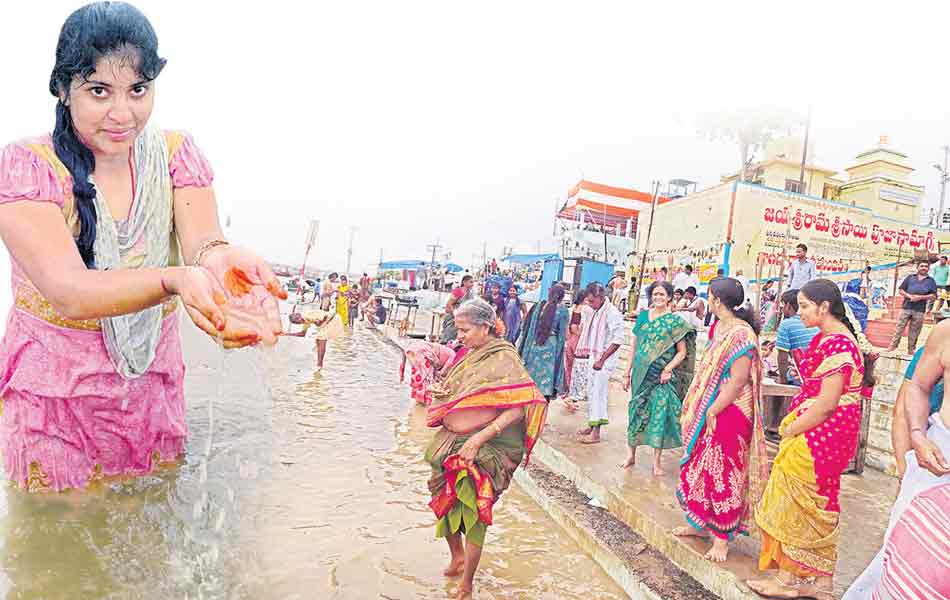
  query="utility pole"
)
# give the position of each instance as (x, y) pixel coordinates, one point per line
(801, 174)
(349, 251)
(944, 177)
(433, 248)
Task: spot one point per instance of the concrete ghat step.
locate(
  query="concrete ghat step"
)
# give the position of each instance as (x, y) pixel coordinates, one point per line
(727, 583)
(609, 561)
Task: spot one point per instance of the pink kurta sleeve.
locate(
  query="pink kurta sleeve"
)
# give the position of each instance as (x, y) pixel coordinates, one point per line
(26, 176)
(189, 167)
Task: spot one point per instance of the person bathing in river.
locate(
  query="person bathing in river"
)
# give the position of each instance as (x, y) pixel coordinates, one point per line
(490, 414)
(94, 218)
(328, 327)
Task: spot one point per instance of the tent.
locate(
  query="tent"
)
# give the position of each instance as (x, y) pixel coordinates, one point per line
(454, 268)
(529, 259)
(399, 265)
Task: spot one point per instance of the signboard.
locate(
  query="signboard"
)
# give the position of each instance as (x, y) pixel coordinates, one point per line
(839, 237)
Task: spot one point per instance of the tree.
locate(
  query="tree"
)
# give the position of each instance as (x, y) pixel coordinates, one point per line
(749, 128)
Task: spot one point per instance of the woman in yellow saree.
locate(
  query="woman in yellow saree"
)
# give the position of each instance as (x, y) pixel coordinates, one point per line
(799, 510)
(490, 415)
(343, 301)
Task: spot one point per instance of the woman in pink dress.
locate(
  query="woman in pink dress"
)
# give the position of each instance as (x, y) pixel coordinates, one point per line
(98, 218)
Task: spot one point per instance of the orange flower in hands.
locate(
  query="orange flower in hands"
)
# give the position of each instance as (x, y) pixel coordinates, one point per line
(251, 307)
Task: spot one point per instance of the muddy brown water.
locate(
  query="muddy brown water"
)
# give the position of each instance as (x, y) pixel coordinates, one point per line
(295, 485)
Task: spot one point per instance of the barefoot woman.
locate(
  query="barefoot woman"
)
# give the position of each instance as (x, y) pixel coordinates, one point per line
(724, 466)
(491, 413)
(799, 510)
(94, 217)
(658, 374)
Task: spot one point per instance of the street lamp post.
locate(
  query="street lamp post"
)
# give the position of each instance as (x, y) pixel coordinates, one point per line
(944, 178)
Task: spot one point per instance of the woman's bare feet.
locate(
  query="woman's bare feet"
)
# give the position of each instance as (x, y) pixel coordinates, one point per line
(585, 431)
(687, 531)
(719, 550)
(570, 405)
(592, 438)
(658, 472)
(464, 593)
(631, 458)
(455, 567)
(773, 588)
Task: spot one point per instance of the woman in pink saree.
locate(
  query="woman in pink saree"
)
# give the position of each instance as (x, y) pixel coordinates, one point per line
(427, 360)
(724, 464)
(99, 218)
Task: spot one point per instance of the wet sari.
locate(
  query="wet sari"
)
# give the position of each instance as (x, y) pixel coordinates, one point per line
(343, 303)
(491, 376)
(799, 510)
(721, 475)
(654, 409)
(425, 359)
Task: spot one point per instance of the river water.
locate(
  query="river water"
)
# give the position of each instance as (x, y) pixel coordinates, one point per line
(294, 485)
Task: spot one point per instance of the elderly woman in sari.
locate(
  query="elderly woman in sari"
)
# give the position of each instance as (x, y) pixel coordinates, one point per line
(799, 510)
(724, 465)
(490, 414)
(97, 218)
(659, 371)
(542, 341)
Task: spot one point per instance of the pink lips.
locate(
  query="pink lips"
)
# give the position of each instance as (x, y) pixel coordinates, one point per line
(118, 135)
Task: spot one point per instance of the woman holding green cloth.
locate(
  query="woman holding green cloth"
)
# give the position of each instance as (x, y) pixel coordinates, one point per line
(490, 414)
(659, 374)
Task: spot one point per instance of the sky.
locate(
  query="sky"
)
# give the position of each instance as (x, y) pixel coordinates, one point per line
(465, 124)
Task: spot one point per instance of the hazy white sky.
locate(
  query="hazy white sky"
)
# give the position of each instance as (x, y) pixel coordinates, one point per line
(465, 122)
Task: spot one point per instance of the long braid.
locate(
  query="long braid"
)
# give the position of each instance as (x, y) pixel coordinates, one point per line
(80, 162)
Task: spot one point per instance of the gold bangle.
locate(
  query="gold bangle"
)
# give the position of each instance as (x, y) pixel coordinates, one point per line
(204, 249)
(497, 428)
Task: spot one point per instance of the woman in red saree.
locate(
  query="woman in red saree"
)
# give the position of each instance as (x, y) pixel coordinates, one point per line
(725, 463)
(799, 511)
(490, 415)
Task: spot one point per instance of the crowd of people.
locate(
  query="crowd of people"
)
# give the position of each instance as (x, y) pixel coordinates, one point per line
(711, 409)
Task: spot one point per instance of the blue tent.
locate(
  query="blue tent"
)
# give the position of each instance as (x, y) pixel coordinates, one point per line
(454, 268)
(528, 259)
(398, 265)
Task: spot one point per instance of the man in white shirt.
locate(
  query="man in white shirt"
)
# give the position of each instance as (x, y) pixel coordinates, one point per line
(801, 270)
(601, 339)
(685, 279)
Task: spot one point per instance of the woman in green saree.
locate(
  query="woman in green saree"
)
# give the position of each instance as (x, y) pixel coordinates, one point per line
(659, 374)
(490, 413)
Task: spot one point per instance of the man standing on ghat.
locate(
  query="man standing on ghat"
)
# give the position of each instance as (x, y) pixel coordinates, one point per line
(603, 338)
(802, 269)
(916, 290)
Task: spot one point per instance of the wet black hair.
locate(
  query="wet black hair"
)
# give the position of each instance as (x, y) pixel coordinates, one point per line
(790, 297)
(825, 290)
(89, 34)
(691, 290)
(466, 279)
(729, 291)
(546, 320)
(803, 247)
